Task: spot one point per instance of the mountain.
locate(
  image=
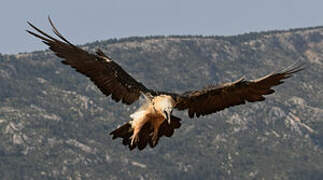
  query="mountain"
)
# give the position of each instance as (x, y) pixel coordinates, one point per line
(54, 123)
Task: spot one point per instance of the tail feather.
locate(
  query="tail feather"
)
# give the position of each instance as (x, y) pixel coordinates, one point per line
(123, 131)
(146, 133)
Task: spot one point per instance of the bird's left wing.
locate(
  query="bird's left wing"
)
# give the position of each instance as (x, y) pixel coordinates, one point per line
(106, 74)
(216, 98)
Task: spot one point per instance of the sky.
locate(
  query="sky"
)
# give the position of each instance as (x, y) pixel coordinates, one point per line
(87, 21)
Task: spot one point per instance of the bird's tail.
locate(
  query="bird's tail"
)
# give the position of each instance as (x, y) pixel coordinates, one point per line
(145, 135)
(125, 131)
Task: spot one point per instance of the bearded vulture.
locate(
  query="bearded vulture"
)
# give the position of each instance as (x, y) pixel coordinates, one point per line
(154, 118)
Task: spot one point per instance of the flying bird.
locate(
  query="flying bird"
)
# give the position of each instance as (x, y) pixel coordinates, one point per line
(154, 118)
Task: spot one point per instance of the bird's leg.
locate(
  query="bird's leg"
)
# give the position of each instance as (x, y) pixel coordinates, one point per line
(155, 136)
(156, 126)
(134, 139)
(136, 130)
(135, 135)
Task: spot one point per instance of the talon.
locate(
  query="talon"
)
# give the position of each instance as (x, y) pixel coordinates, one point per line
(134, 139)
(154, 138)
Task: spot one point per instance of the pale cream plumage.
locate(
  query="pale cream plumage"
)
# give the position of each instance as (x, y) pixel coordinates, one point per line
(154, 112)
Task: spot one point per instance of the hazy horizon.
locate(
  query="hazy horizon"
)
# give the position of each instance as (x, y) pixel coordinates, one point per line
(83, 22)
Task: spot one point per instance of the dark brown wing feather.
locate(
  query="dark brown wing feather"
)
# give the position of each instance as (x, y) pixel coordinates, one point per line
(106, 74)
(216, 98)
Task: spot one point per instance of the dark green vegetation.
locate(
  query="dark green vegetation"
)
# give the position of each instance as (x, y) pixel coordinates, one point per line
(54, 122)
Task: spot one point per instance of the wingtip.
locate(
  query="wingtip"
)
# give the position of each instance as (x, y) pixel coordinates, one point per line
(54, 29)
(30, 32)
(294, 68)
(50, 20)
(30, 24)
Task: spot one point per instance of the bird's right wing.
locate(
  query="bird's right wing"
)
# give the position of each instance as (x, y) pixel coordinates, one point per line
(106, 74)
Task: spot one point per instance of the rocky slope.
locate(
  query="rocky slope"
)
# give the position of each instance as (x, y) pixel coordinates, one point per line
(54, 122)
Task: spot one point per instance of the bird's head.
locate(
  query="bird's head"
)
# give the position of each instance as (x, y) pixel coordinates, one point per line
(167, 113)
(165, 105)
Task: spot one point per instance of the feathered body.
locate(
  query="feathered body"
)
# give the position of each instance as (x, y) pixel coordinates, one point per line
(154, 118)
(152, 112)
(149, 123)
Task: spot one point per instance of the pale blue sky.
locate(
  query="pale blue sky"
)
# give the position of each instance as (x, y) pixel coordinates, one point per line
(86, 21)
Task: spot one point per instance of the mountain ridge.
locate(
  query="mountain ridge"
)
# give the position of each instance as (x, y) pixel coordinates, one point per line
(202, 36)
(54, 122)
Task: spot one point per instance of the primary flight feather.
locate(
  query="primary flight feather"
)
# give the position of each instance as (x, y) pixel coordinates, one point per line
(154, 118)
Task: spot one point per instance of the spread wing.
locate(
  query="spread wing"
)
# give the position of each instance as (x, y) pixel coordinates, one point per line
(106, 74)
(216, 98)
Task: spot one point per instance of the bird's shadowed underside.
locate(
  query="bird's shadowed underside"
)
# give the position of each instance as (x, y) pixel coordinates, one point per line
(146, 134)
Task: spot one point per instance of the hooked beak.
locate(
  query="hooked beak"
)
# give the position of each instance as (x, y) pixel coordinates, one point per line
(167, 114)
